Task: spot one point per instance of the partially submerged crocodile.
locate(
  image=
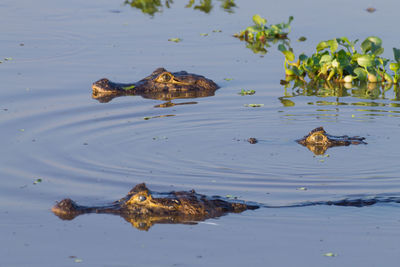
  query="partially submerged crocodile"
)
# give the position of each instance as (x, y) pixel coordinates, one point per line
(318, 141)
(161, 84)
(144, 208)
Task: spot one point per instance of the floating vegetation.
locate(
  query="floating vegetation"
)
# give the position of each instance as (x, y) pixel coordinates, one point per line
(159, 116)
(259, 36)
(302, 39)
(37, 181)
(254, 105)
(176, 40)
(247, 92)
(337, 60)
(330, 254)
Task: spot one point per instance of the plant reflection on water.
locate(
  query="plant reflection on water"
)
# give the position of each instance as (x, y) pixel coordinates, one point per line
(152, 7)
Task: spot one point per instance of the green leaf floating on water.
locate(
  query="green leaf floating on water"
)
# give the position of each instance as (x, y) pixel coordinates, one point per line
(37, 181)
(254, 105)
(176, 40)
(247, 92)
(130, 87)
(330, 254)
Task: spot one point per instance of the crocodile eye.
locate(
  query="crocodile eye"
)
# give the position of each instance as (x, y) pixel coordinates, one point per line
(142, 198)
(165, 77)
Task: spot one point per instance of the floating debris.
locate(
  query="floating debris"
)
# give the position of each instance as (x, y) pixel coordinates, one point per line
(252, 140)
(371, 9)
(254, 105)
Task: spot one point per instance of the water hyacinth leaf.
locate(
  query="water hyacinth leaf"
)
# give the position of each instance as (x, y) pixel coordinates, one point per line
(258, 20)
(365, 61)
(321, 46)
(343, 58)
(253, 29)
(282, 47)
(361, 74)
(372, 44)
(333, 44)
(394, 66)
(396, 53)
(288, 55)
(303, 57)
(325, 59)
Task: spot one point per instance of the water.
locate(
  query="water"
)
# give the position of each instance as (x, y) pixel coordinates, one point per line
(51, 129)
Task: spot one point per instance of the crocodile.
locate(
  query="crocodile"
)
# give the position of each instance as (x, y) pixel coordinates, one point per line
(161, 85)
(318, 141)
(143, 208)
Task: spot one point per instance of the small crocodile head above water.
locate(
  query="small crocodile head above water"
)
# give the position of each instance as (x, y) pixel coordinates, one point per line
(161, 84)
(318, 141)
(143, 208)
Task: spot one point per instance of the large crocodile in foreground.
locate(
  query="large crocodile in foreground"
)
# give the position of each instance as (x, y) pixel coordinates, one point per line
(161, 84)
(318, 141)
(144, 208)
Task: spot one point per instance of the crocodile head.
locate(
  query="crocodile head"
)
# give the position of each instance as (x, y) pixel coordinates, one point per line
(318, 141)
(161, 84)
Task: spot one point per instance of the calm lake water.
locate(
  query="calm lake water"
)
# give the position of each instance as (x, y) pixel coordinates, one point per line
(92, 152)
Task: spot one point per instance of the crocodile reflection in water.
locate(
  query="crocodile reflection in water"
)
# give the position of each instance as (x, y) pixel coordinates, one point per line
(161, 85)
(144, 208)
(318, 141)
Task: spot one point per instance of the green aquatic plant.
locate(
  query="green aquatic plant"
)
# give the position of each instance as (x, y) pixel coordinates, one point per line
(254, 105)
(244, 92)
(259, 36)
(175, 40)
(337, 60)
